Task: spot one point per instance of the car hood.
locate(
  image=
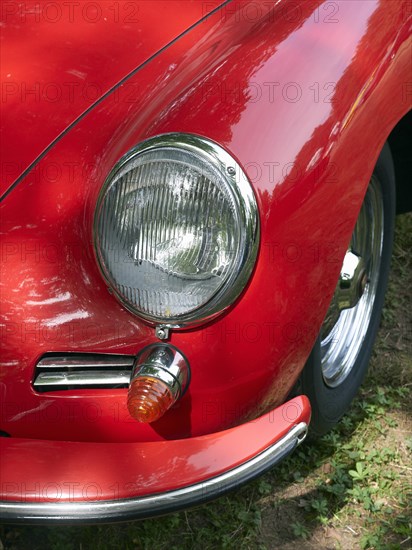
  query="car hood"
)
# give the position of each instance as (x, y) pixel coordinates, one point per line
(59, 59)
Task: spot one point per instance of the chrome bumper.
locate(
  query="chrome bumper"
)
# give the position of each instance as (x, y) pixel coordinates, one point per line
(155, 504)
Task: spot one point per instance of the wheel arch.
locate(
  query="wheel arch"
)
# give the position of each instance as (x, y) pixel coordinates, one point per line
(398, 140)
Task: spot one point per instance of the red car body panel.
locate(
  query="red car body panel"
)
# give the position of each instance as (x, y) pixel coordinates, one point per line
(141, 468)
(58, 59)
(304, 97)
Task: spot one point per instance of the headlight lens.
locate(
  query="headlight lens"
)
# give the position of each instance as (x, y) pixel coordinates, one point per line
(176, 229)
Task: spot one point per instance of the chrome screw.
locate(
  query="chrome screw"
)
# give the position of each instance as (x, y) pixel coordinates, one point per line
(162, 333)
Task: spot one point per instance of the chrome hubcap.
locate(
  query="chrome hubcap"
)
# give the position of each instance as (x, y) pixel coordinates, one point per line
(344, 329)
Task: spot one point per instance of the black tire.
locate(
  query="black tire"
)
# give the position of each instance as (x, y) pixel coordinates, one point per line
(329, 404)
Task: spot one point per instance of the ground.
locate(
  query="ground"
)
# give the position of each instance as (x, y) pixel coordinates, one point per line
(350, 490)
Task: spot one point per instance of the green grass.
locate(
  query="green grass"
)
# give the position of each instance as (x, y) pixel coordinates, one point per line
(352, 489)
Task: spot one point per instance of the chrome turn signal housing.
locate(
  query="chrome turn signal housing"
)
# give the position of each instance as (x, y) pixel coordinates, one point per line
(160, 377)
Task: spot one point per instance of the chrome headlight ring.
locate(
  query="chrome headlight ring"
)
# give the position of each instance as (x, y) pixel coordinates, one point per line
(176, 220)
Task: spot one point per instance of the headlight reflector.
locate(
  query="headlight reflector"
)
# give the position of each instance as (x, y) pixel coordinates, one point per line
(176, 229)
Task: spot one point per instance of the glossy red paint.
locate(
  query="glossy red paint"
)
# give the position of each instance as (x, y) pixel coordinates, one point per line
(129, 470)
(304, 98)
(58, 59)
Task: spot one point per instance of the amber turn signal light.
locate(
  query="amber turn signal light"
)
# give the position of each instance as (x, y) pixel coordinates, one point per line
(159, 379)
(148, 399)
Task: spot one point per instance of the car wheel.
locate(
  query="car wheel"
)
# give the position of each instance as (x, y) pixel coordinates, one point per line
(339, 360)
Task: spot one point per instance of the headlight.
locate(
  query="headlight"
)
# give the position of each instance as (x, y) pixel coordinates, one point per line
(177, 230)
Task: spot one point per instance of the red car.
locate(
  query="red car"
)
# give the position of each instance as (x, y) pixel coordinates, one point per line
(197, 212)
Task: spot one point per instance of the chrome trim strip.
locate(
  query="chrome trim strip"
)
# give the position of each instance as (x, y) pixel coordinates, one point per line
(83, 361)
(82, 370)
(82, 378)
(152, 505)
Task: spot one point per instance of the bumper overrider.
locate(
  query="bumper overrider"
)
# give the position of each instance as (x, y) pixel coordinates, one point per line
(71, 482)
